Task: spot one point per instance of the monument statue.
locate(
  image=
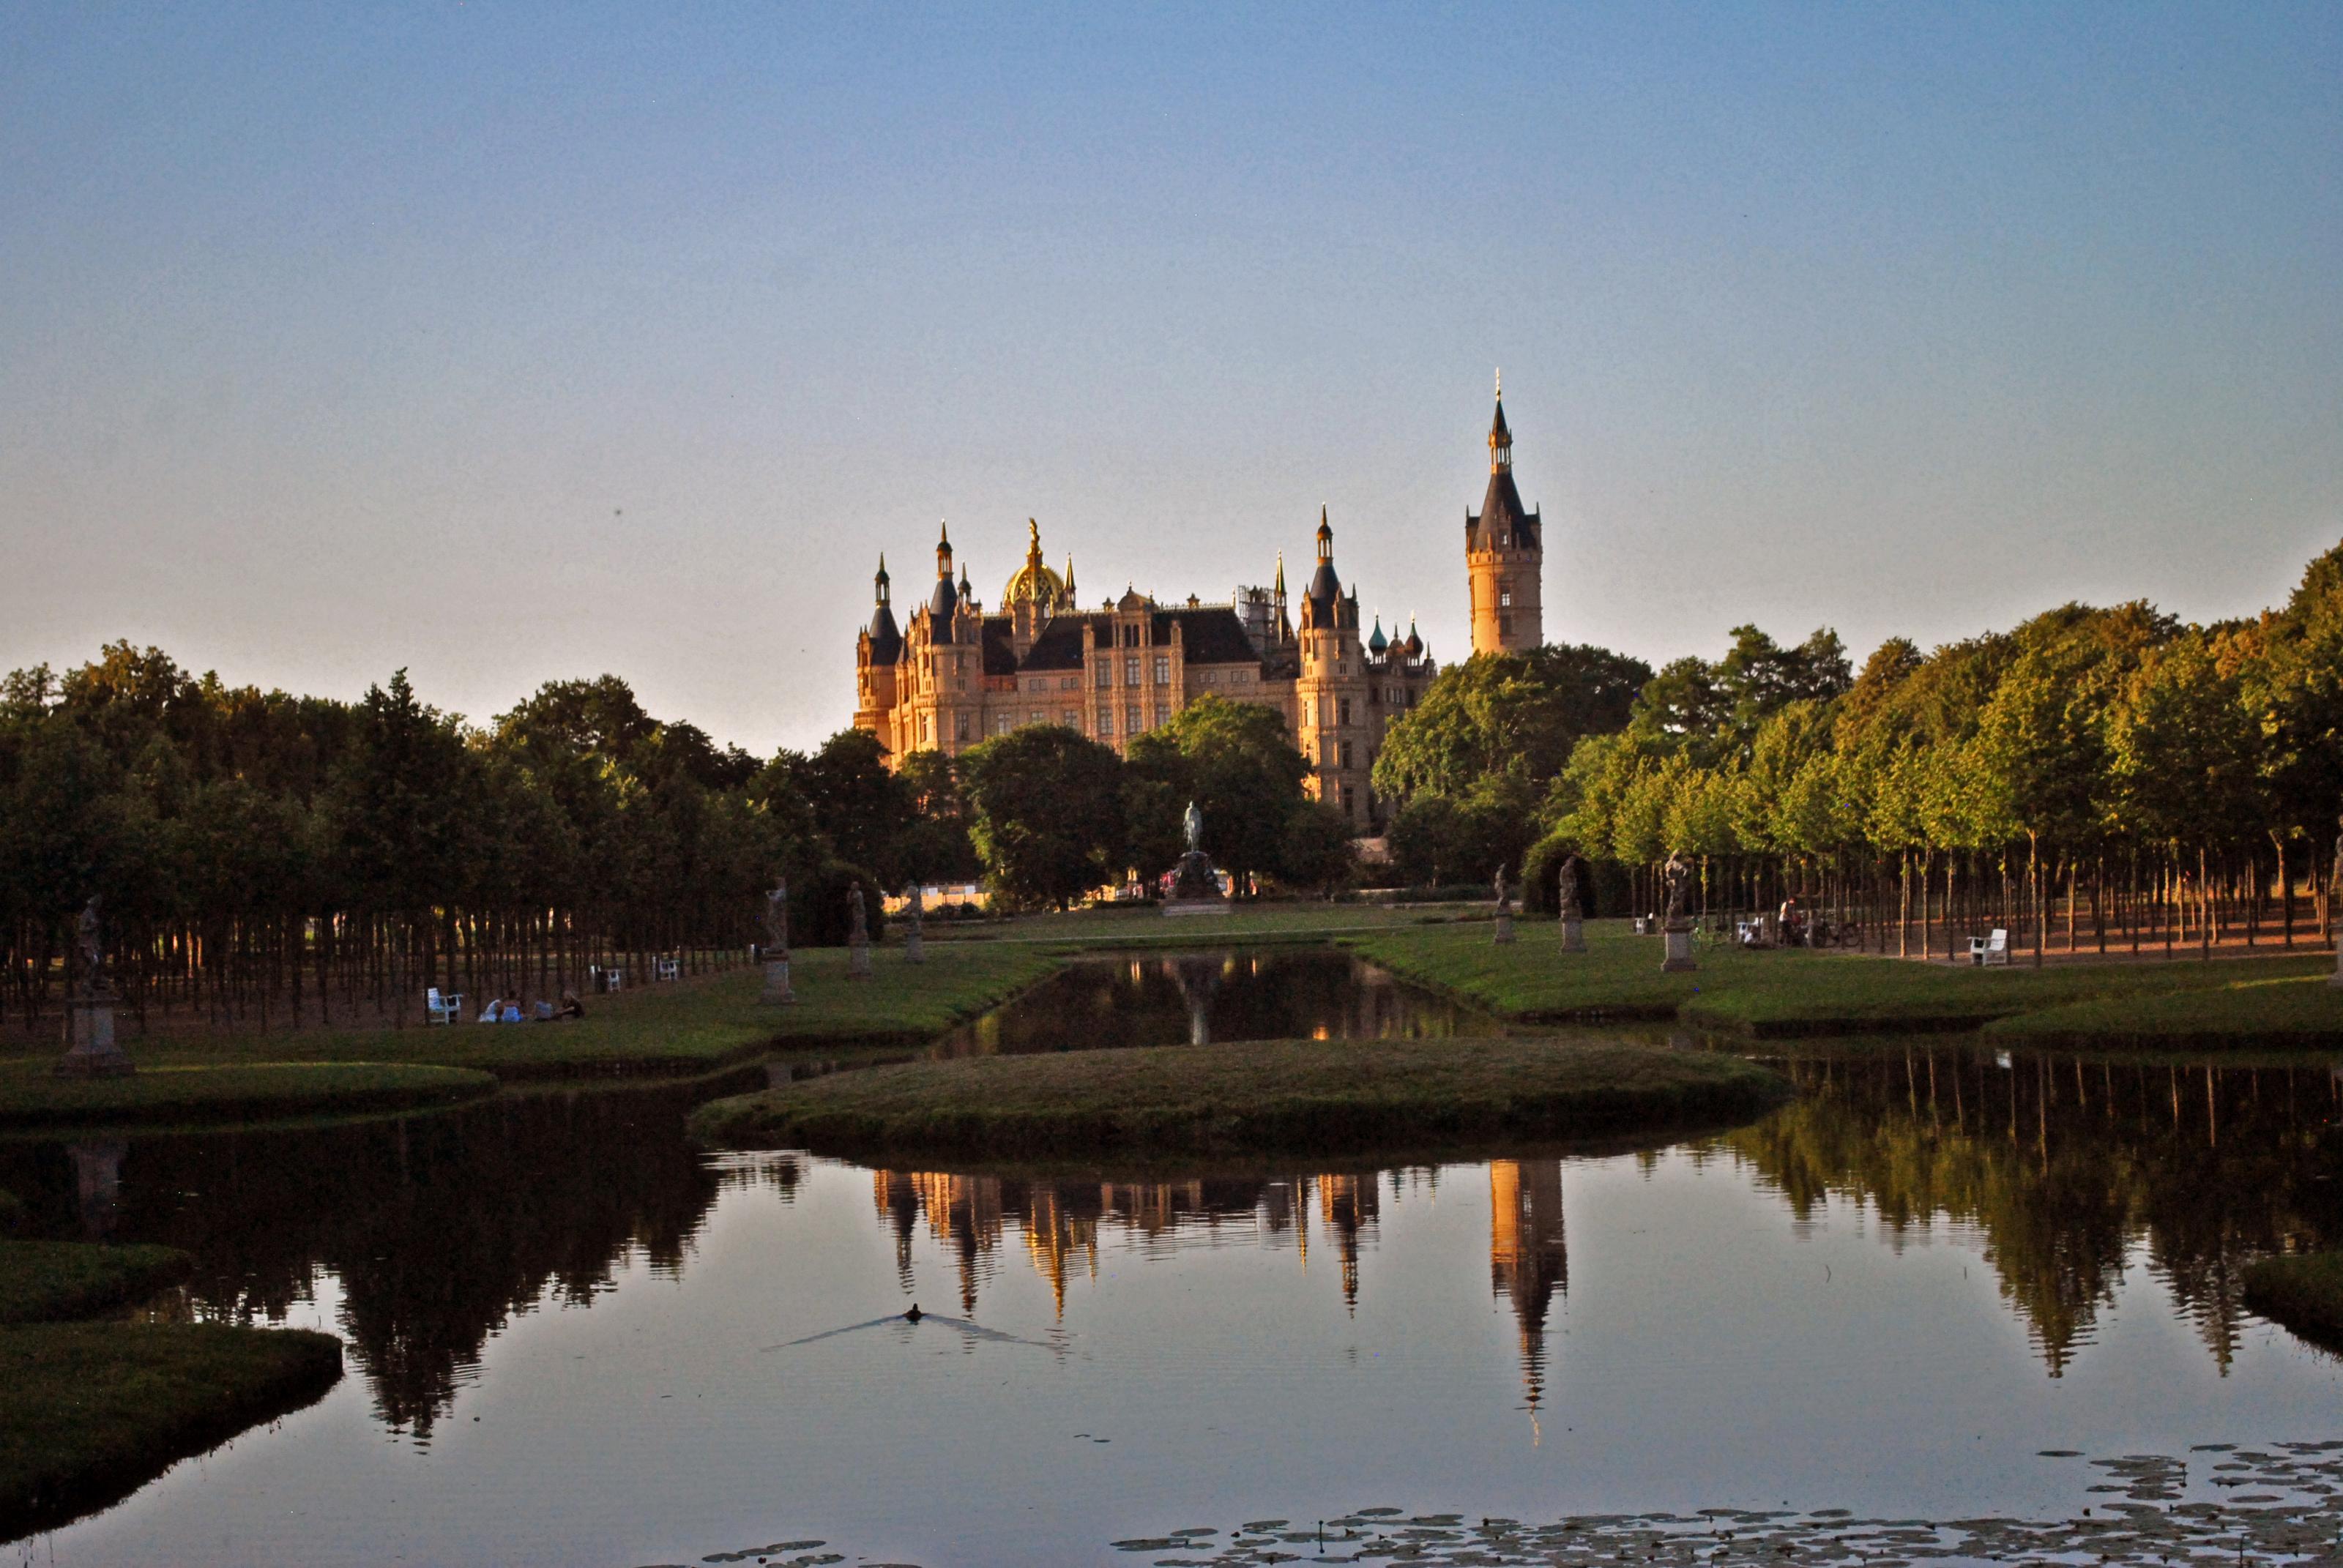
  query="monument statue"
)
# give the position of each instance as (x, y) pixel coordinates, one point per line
(1678, 873)
(1504, 932)
(858, 934)
(1565, 897)
(90, 938)
(777, 989)
(915, 941)
(90, 1050)
(1195, 882)
(1678, 930)
(776, 917)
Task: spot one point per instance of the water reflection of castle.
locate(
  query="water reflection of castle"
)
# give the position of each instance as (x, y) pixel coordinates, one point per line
(1059, 1223)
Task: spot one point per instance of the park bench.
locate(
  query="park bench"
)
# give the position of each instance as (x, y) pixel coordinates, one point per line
(1987, 951)
(438, 1009)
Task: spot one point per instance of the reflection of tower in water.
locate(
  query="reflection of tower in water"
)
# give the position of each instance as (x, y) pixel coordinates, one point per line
(1527, 1258)
(1346, 1206)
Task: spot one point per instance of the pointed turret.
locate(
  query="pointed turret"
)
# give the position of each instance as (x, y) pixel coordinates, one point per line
(945, 600)
(1377, 641)
(886, 637)
(1325, 588)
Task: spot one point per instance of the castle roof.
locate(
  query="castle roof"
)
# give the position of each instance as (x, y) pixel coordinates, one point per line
(1209, 634)
(1503, 516)
(886, 637)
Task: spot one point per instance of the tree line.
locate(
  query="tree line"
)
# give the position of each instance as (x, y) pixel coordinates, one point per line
(264, 860)
(2091, 776)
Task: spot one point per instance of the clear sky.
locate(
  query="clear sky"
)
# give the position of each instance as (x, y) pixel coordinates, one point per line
(508, 343)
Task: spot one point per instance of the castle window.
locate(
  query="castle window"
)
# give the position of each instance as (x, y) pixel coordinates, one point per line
(1162, 670)
(1131, 725)
(1344, 709)
(1349, 803)
(926, 728)
(1505, 625)
(1131, 672)
(1161, 716)
(1106, 721)
(1036, 717)
(1505, 597)
(959, 727)
(1346, 758)
(1106, 672)
(1071, 720)
(1003, 722)
(1070, 683)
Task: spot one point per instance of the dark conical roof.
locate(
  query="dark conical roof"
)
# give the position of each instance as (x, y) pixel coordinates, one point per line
(886, 637)
(1503, 516)
(1325, 588)
(944, 600)
(1499, 434)
(1378, 642)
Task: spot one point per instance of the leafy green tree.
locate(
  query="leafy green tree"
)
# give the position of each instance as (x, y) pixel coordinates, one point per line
(1318, 851)
(1045, 812)
(1237, 761)
(1524, 712)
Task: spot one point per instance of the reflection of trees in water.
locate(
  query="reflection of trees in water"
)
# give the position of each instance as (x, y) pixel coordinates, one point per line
(2065, 1164)
(440, 1228)
(1061, 1224)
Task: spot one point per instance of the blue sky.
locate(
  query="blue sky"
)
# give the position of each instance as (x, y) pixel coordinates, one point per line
(510, 342)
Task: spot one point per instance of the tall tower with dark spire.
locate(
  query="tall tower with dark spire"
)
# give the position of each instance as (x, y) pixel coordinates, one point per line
(1505, 554)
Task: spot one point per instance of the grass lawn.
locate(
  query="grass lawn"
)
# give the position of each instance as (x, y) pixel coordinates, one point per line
(2260, 1010)
(41, 1281)
(1319, 1097)
(2303, 1290)
(1789, 992)
(681, 1029)
(89, 1413)
(184, 1093)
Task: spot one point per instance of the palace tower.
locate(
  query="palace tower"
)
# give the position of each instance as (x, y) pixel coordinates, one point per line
(1504, 552)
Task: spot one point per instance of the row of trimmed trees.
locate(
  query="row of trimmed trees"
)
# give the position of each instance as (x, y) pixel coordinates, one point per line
(2091, 778)
(264, 858)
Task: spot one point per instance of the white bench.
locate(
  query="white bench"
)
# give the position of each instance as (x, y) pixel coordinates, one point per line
(1986, 952)
(438, 1009)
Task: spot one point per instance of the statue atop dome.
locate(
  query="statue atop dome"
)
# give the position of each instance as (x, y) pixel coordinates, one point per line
(1035, 582)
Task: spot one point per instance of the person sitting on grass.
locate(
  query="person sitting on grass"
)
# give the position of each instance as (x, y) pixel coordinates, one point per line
(512, 1013)
(495, 1012)
(570, 1006)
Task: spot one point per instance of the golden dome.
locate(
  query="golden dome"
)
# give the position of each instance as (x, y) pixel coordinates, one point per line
(1034, 581)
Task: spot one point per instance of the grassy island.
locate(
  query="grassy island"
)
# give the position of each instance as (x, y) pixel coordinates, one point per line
(1242, 1098)
(186, 1093)
(2303, 1290)
(89, 1413)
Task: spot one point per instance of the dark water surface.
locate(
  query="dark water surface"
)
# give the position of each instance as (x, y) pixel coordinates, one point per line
(1194, 999)
(568, 1332)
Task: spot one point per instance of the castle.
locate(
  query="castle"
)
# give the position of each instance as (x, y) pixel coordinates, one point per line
(956, 674)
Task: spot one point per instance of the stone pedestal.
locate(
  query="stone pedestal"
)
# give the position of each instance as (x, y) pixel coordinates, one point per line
(1196, 887)
(858, 959)
(90, 1036)
(915, 947)
(776, 982)
(1679, 958)
(1504, 934)
(1573, 934)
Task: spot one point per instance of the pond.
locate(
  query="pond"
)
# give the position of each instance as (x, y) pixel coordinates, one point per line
(574, 1341)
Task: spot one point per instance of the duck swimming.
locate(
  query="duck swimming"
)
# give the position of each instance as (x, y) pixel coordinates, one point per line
(914, 1315)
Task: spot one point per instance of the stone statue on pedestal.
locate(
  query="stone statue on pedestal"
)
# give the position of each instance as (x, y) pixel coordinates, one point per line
(1678, 874)
(915, 941)
(1565, 897)
(2332, 919)
(1195, 882)
(858, 935)
(1505, 933)
(90, 1050)
(777, 946)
